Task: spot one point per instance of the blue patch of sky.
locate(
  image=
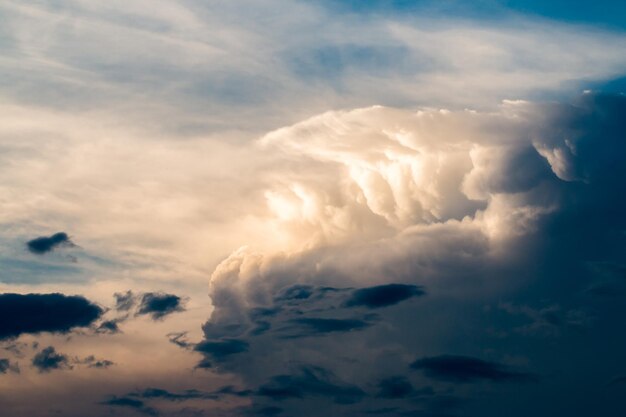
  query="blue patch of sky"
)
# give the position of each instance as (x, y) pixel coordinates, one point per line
(606, 13)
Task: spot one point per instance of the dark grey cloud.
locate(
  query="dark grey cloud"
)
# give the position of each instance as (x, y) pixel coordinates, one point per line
(35, 313)
(49, 359)
(190, 394)
(383, 295)
(159, 305)
(311, 381)
(8, 366)
(124, 301)
(316, 326)
(45, 244)
(618, 380)
(467, 369)
(109, 326)
(395, 387)
(92, 362)
(180, 339)
(132, 403)
(219, 350)
(150, 393)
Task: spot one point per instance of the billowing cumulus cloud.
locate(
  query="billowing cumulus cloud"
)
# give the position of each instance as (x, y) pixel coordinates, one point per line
(437, 204)
(36, 313)
(403, 210)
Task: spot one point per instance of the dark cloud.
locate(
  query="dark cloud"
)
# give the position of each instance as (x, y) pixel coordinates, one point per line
(191, 394)
(109, 326)
(219, 350)
(170, 396)
(159, 305)
(45, 244)
(467, 369)
(315, 326)
(311, 381)
(92, 362)
(180, 339)
(35, 313)
(618, 380)
(263, 411)
(395, 387)
(48, 359)
(230, 390)
(7, 366)
(295, 292)
(124, 301)
(383, 295)
(130, 403)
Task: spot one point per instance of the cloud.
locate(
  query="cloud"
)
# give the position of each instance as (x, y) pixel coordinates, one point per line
(467, 206)
(7, 366)
(36, 313)
(92, 362)
(220, 350)
(130, 403)
(124, 301)
(180, 339)
(383, 295)
(159, 305)
(48, 359)
(618, 380)
(315, 326)
(310, 381)
(45, 244)
(467, 369)
(109, 326)
(395, 387)
(166, 395)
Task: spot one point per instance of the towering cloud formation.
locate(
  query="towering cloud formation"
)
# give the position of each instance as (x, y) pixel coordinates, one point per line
(459, 203)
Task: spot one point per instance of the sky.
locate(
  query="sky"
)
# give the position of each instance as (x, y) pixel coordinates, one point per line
(296, 208)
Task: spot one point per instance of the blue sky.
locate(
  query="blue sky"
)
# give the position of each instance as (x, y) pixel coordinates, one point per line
(609, 13)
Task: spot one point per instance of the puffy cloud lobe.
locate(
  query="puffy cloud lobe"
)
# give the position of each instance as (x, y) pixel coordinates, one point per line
(48, 359)
(467, 369)
(159, 305)
(35, 313)
(45, 244)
